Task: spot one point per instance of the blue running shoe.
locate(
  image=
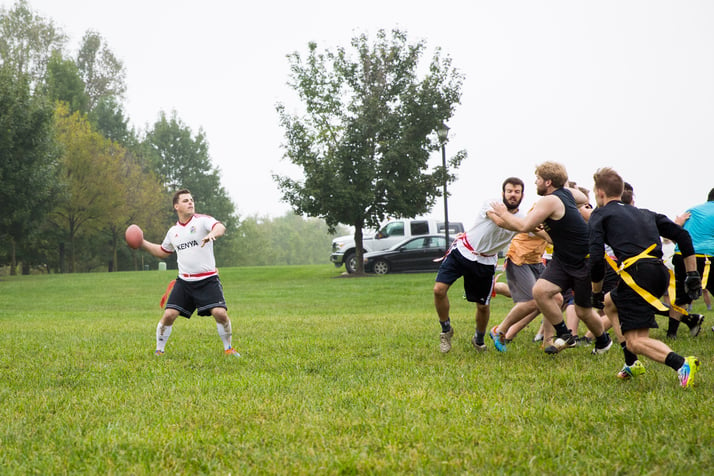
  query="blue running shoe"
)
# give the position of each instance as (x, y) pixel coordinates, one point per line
(499, 339)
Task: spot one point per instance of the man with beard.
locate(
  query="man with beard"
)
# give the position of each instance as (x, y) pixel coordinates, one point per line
(558, 212)
(474, 255)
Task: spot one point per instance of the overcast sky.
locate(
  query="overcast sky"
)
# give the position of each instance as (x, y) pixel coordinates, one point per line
(620, 83)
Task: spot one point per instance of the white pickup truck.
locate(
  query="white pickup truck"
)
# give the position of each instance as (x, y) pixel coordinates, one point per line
(391, 233)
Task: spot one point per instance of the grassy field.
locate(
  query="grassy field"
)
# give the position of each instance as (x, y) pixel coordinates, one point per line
(338, 376)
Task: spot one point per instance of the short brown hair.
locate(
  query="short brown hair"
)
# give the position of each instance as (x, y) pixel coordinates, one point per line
(513, 181)
(554, 172)
(183, 191)
(609, 181)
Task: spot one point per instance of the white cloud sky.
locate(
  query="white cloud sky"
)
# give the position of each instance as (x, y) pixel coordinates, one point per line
(627, 84)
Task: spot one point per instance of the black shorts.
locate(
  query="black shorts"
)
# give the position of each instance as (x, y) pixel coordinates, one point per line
(478, 278)
(570, 277)
(634, 311)
(680, 273)
(203, 295)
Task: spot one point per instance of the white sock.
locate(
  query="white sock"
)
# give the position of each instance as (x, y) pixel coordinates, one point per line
(225, 332)
(162, 335)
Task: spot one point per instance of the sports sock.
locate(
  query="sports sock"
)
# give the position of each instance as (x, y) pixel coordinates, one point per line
(673, 326)
(630, 357)
(602, 340)
(479, 337)
(561, 329)
(162, 335)
(674, 361)
(445, 325)
(225, 331)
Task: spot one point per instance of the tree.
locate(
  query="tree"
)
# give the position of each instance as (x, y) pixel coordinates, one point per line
(103, 73)
(28, 164)
(27, 41)
(62, 83)
(367, 132)
(181, 160)
(108, 117)
(89, 177)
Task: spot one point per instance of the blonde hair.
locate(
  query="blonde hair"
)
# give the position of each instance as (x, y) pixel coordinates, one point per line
(554, 172)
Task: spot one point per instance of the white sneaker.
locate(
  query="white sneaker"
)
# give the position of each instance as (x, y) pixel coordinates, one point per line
(478, 347)
(445, 338)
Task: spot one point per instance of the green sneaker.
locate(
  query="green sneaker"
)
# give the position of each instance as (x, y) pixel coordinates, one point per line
(629, 371)
(687, 371)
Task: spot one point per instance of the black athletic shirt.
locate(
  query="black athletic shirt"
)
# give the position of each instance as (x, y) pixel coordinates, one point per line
(570, 233)
(629, 231)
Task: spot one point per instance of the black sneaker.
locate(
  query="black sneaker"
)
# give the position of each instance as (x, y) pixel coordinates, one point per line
(560, 343)
(695, 324)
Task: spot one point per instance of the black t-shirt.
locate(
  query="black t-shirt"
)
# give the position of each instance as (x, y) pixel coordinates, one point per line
(629, 231)
(570, 233)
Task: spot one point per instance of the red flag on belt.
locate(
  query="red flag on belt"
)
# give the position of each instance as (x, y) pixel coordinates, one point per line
(165, 297)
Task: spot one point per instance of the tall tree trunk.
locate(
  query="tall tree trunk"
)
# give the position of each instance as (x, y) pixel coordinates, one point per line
(13, 258)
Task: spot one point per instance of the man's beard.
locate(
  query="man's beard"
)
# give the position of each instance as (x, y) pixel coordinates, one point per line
(510, 206)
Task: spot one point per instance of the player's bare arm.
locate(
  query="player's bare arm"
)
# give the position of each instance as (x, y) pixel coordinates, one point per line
(154, 249)
(544, 208)
(218, 230)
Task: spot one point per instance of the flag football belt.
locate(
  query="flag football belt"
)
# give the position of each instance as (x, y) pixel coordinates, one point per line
(646, 295)
(707, 265)
(462, 238)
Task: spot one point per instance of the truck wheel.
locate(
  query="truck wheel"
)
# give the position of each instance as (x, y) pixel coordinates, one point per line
(381, 267)
(350, 261)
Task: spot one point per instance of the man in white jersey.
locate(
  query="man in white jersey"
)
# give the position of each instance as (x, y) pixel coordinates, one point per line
(474, 255)
(197, 287)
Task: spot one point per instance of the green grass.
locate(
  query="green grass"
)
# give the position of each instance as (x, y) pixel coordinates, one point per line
(338, 376)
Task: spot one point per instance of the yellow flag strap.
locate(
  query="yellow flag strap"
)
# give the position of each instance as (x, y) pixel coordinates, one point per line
(707, 266)
(627, 278)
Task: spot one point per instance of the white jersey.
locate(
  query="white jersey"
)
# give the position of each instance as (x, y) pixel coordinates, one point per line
(485, 239)
(194, 262)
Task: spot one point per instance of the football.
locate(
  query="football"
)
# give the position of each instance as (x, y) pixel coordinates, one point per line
(134, 236)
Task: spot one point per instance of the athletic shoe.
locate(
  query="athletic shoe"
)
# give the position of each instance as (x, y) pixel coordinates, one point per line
(478, 347)
(583, 341)
(499, 339)
(539, 337)
(159, 353)
(601, 350)
(445, 338)
(696, 324)
(560, 343)
(232, 351)
(673, 336)
(686, 372)
(629, 371)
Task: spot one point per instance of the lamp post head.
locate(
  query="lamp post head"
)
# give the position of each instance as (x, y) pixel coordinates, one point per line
(442, 132)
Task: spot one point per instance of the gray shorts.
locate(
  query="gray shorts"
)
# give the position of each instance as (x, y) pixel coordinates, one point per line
(521, 279)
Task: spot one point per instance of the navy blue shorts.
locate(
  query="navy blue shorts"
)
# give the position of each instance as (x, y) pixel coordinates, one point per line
(203, 295)
(478, 278)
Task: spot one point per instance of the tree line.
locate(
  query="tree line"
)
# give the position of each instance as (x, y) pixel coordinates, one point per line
(74, 174)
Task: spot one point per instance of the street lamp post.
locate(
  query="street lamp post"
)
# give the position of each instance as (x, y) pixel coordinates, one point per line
(443, 133)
